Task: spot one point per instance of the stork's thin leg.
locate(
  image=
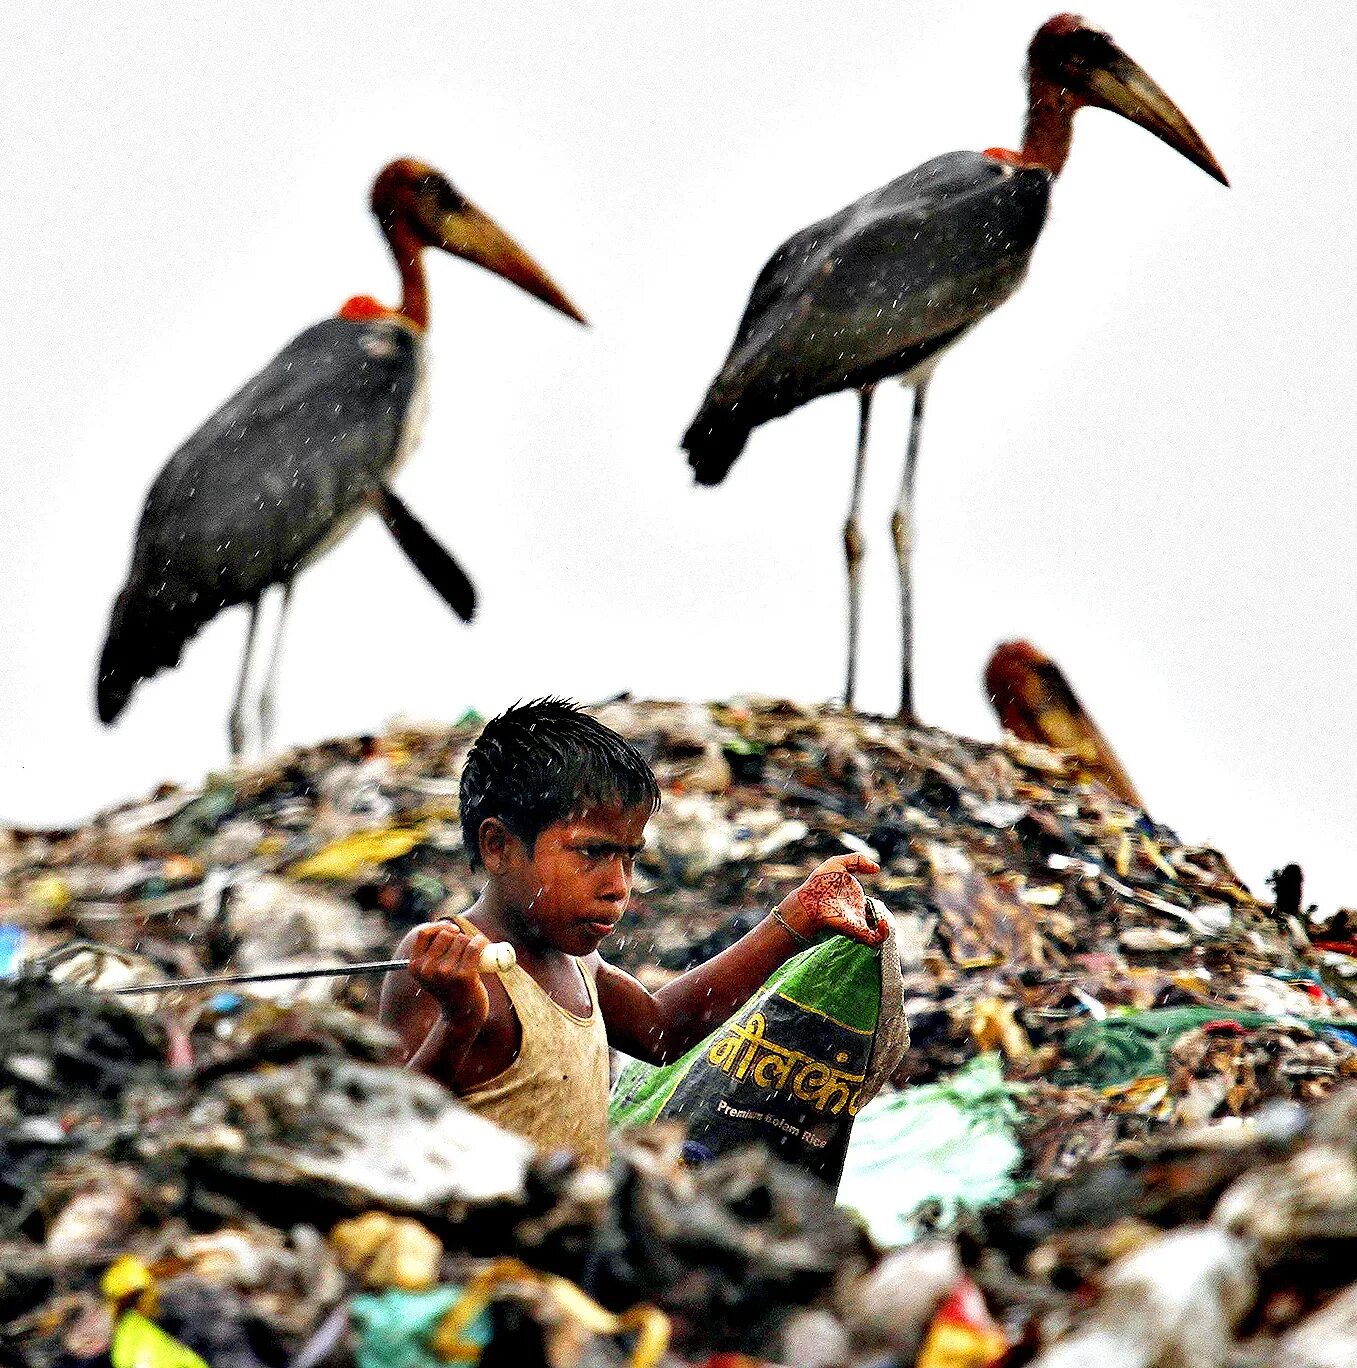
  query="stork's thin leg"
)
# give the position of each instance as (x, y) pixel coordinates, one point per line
(852, 545)
(266, 699)
(902, 530)
(236, 728)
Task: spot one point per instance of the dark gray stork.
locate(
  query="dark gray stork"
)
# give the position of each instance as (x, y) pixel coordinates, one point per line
(287, 466)
(882, 288)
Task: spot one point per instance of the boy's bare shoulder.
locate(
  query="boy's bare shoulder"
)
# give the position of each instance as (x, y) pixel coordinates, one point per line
(618, 991)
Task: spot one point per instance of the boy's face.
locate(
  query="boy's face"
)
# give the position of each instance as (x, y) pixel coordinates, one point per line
(572, 888)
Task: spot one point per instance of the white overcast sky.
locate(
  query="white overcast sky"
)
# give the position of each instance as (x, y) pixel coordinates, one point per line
(1142, 463)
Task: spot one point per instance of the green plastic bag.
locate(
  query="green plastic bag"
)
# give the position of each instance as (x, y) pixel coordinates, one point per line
(394, 1327)
(791, 1068)
(1130, 1045)
(950, 1145)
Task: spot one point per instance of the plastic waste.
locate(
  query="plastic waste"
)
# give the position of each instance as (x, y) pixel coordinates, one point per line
(138, 1342)
(388, 1251)
(892, 1306)
(1172, 1304)
(11, 940)
(941, 1148)
(351, 855)
(396, 1329)
(216, 1137)
(1121, 1049)
(450, 1325)
(815, 1339)
(963, 1333)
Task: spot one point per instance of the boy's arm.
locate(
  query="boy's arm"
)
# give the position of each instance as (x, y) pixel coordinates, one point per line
(659, 1027)
(439, 1004)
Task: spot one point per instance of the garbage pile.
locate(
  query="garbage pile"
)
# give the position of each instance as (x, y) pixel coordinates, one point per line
(257, 1191)
(1116, 1049)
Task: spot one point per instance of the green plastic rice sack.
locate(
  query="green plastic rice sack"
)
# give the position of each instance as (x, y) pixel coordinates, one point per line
(792, 1067)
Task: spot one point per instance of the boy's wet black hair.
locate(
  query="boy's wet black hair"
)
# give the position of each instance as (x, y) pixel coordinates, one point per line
(547, 761)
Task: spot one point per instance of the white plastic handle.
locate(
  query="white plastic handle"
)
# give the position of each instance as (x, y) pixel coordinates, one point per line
(496, 958)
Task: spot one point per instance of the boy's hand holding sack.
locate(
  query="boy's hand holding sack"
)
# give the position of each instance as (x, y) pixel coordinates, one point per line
(831, 899)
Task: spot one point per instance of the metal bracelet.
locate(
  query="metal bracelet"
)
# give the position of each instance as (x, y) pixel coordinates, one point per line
(791, 930)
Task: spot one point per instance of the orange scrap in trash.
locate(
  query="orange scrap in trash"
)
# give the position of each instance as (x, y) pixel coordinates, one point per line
(963, 1333)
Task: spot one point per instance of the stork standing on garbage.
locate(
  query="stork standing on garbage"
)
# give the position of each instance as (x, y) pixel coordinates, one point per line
(287, 466)
(882, 288)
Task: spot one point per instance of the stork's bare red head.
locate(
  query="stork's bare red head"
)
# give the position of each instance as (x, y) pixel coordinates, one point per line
(1068, 45)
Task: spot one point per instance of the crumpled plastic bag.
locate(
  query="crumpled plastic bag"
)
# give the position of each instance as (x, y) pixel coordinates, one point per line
(963, 1333)
(347, 857)
(1173, 1303)
(388, 1251)
(395, 1328)
(141, 1343)
(1132, 1045)
(951, 1144)
(452, 1325)
(138, 1342)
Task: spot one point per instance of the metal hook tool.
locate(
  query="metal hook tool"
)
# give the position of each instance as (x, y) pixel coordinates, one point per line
(495, 959)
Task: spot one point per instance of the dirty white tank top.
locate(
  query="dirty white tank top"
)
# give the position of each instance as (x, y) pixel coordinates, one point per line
(556, 1092)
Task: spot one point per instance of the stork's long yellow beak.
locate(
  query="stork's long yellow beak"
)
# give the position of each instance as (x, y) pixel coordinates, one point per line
(470, 233)
(1124, 87)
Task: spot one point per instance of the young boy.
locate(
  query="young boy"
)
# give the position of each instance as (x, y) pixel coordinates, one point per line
(553, 807)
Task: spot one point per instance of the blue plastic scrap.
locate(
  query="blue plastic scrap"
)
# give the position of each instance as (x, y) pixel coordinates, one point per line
(11, 938)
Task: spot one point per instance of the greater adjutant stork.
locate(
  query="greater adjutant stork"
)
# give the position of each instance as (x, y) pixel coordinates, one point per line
(882, 288)
(287, 466)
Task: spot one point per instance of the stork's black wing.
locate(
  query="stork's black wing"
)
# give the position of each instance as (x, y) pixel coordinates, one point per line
(274, 475)
(872, 291)
(426, 553)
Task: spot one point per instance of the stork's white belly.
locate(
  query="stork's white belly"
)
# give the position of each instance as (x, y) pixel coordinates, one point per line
(412, 428)
(923, 372)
